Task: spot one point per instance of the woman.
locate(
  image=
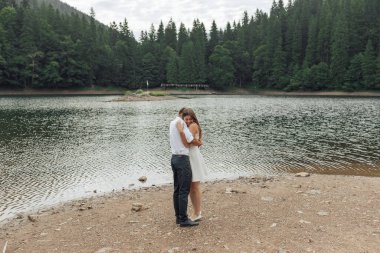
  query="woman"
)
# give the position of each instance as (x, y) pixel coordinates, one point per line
(197, 163)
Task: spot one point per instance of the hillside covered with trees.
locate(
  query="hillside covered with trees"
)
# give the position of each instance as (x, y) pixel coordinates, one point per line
(303, 45)
(63, 8)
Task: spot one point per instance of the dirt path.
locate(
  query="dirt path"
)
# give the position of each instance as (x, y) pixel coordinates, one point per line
(319, 213)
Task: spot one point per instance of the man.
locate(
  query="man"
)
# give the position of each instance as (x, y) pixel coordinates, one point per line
(180, 141)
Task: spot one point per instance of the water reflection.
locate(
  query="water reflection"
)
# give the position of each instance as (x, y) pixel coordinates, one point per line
(58, 148)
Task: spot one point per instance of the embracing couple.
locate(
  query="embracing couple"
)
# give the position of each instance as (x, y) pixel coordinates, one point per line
(188, 166)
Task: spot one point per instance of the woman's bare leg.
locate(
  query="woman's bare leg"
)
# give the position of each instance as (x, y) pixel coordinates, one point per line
(192, 197)
(196, 197)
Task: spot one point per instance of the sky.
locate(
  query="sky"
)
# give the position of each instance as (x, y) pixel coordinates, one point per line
(141, 13)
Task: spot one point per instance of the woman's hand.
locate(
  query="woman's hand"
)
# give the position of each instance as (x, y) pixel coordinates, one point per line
(180, 126)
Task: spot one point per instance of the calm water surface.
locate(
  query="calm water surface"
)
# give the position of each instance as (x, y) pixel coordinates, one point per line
(54, 149)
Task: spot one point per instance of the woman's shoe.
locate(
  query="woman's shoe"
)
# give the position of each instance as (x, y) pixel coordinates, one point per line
(198, 218)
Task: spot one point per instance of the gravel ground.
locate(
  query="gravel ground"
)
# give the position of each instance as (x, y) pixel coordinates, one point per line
(320, 213)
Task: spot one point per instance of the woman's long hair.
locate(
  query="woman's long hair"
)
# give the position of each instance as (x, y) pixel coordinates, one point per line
(191, 113)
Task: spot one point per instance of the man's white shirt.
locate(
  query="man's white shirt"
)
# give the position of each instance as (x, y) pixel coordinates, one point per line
(176, 144)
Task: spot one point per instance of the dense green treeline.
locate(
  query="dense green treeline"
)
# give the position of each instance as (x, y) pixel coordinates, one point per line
(303, 45)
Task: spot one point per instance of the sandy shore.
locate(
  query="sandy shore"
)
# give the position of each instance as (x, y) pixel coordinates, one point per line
(319, 93)
(173, 92)
(320, 213)
(60, 92)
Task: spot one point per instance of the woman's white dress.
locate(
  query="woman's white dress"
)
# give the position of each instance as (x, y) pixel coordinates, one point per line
(198, 166)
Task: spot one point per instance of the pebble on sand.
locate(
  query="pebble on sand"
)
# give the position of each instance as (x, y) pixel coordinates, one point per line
(32, 218)
(137, 207)
(231, 190)
(303, 174)
(172, 250)
(104, 250)
(314, 192)
(143, 179)
(268, 199)
(323, 213)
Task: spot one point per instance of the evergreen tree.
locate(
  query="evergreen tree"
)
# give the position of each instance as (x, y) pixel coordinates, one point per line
(161, 35)
(74, 70)
(159, 53)
(214, 39)
(171, 35)
(221, 68)
(377, 81)
(90, 45)
(228, 33)
(199, 38)
(113, 33)
(152, 35)
(28, 49)
(121, 54)
(150, 70)
(324, 35)
(51, 74)
(183, 37)
(279, 78)
(369, 67)
(297, 80)
(124, 33)
(244, 34)
(318, 78)
(354, 76)
(296, 42)
(187, 68)
(311, 50)
(2, 59)
(241, 59)
(172, 67)
(339, 60)
(357, 25)
(260, 67)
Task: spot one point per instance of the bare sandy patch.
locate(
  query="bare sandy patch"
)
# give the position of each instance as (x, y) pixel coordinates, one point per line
(320, 213)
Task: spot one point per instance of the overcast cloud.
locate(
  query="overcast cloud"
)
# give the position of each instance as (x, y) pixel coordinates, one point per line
(141, 13)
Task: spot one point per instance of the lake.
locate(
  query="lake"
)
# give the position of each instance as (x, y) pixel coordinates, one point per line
(55, 149)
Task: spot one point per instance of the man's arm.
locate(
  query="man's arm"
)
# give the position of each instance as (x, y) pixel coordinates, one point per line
(186, 137)
(183, 139)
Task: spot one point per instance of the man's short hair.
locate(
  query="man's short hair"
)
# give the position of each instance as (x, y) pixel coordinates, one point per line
(182, 109)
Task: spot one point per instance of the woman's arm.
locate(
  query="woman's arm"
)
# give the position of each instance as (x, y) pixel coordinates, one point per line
(185, 139)
(193, 129)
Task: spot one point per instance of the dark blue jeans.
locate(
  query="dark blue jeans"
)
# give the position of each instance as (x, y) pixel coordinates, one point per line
(182, 182)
